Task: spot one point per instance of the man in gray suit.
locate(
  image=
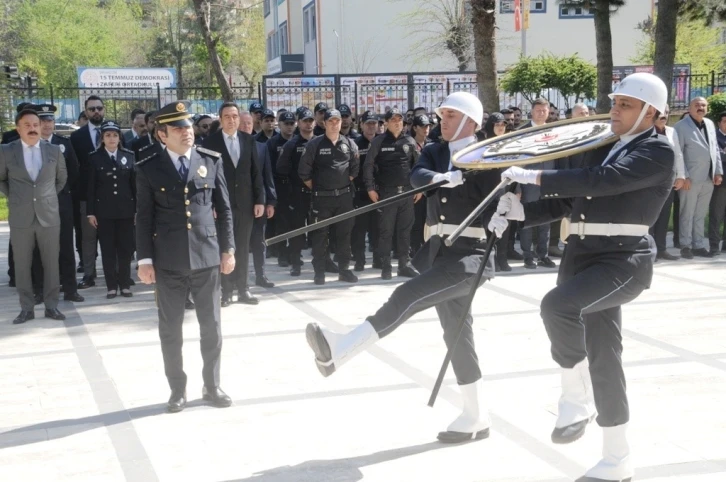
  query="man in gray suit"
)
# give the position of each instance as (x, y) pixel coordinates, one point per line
(32, 173)
(697, 137)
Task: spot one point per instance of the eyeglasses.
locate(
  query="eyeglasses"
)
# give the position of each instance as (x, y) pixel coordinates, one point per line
(95, 109)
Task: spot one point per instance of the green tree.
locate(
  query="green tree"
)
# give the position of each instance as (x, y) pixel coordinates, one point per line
(696, 44)
(247, 47)
(212, 40)
(602, 10)
(571, 76)
(716, 105)
(53, 38)
(528, 77)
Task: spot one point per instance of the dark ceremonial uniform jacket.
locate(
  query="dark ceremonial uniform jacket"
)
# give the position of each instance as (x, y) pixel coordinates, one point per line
(175, 225)
(389, 161)
(330, 166)
(111, 186)
(141, 144)
(452, 206)
(630, 188)
(64, 144)
(244, 182)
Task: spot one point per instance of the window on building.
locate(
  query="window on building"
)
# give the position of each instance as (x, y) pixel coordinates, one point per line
(575, 12)
(309, 26)
(266, 7)
(269, 47)
(282, 36)
(535, 6)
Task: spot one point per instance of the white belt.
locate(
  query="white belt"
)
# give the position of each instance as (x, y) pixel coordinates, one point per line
(446, 229)
(583, 229)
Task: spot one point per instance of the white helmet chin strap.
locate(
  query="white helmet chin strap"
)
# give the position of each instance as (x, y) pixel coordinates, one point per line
(640, 119)
(461, 127)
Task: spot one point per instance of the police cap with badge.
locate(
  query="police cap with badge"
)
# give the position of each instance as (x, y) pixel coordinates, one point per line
(110, 125)
(45, 111)
(421, 120)
(320, 106)
(368, 116)
(256, 107)
(393, 112)
(332, 114)
(267, 113)
(287, 116)
(305, 114)
(345, 110)
(175, 114)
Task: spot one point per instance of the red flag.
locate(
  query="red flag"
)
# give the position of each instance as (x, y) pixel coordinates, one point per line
(517, 15)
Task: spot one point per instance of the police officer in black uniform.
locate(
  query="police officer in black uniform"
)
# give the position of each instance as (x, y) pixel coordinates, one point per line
(320, 109)
(46, 112)
(256, 109)
(346, 128)
(300, 195)
(420, 126)
(368, 222)
(386, 170)
(328, 165)
(179, 243)
(112, 206)
(281, 223)
(267, 126)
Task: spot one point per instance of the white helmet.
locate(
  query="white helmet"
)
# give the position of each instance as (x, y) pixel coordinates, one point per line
(466, 103)
(644, 87)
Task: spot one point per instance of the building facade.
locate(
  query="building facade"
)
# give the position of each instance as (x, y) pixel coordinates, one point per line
(371, 36)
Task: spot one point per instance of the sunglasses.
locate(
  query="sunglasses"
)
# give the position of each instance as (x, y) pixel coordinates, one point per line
(95, 109)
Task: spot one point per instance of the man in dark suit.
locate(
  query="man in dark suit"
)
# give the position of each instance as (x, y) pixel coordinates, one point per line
(246, 194)
(179, 190)
(32, 173)
(142, 142)
(257, 238)
(138, 126)
(46, 112)
(86, 140)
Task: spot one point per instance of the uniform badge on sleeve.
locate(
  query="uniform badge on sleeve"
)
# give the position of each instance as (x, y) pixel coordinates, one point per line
(62, 148)
(202, 171)
(123, 161)
(406, 148)
(344, 148)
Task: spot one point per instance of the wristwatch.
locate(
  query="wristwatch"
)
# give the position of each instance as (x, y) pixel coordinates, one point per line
(230, 251)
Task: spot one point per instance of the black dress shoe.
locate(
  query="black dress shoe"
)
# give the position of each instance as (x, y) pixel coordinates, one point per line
(54, 314)
(38, 299)
(226, 301)
(189, 305)
(515, 255)
(11, 283)
(86, 283)
(295, 271)
(503, 265)
(460, 437)
(530, 264)
(702, 253)
(359, 266)
(407, 271)
(80, 268)
(245, 297)
(686, 253)
(111, 295)
(216, 397)
(282, 262)
(667, 256)
(264, 282)
(347, 276)
(73, 297)
(126, 293)
(319, 279)
(546, 262)
(23, 317)
(570, 433)
(177, 401)
(331, 267)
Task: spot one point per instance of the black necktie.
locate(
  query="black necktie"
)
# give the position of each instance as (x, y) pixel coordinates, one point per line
(98, 137)
(113, 159)
(183, 169)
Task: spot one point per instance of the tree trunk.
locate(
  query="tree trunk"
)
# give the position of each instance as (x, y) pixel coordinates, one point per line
(604, 47)
(484, 23)
(201, 8)
(665, 41)
(179, 77)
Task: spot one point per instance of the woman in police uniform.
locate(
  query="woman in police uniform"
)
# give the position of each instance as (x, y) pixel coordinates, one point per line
(112, 207)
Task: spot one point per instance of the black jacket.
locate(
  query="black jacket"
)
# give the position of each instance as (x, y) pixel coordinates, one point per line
(630, 189)
(265, 168)
(289, 161)
(330, 166)
(389, 161)
(175, 224)
(83, 146)
(71, 162)
(244, 182)
(111, 186)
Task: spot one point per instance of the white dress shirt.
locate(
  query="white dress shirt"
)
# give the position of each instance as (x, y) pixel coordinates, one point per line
(33, 159)
(457, 145)
(175, 159)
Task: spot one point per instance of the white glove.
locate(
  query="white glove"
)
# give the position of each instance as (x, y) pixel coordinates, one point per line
(522, 176)
(510, 207)
(455, 178)
(498, 224)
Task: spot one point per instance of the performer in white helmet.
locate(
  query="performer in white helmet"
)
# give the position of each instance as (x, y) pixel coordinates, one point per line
(608, 262)
(446, 272)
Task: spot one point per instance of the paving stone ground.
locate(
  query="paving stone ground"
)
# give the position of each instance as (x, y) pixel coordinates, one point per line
(84, 399)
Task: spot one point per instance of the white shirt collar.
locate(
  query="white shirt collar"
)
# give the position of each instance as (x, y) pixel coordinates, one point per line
(534, 124)
(457, 145)
(175, 157)
(227, 136)
(26, 146)
(112, 153)
(48, 140)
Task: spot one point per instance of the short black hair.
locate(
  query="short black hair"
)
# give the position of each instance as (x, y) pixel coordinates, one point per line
(514, 108)
(506, 111)
(148, 115)
(215, 125)
(228, 104)
(82, 115)
(90, 98)
(136, 112)
(418, 109)
(23, 113)
(721, 116)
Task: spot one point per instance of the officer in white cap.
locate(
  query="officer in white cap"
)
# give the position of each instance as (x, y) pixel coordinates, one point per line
(608, 262)
(446, 272)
